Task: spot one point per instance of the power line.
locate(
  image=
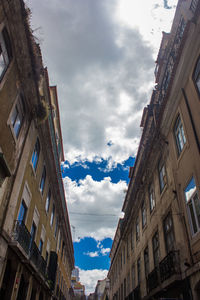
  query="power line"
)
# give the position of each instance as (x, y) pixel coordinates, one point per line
(89, 214)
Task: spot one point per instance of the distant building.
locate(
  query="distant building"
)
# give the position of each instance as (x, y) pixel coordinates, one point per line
(78, 288)
(75, 273)
(101, 290)
(156, 249)
(36, 249)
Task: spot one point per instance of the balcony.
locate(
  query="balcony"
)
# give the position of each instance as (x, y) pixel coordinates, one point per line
(23, 237)
(169, 265)
(153, 279)
(193, 5)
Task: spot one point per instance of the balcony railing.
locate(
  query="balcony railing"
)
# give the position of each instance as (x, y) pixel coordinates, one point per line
(153, 279)
(193, 5)
(23, 237)
(169, 265)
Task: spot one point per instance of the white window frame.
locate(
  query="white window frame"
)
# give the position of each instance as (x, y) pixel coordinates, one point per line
(192, 207)
(179, 134)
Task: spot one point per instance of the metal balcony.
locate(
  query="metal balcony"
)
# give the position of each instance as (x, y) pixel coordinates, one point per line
(193, 5)
(169, 265)
(23, 237)
(153, 279)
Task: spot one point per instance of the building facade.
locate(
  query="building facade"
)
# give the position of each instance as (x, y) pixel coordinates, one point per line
(36, 250)
(156, 249)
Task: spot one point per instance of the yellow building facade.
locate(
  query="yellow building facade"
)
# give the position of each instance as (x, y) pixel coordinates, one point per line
(156, 249)
(36, 249)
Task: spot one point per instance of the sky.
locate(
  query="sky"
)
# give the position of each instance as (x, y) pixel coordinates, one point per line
(101, 55)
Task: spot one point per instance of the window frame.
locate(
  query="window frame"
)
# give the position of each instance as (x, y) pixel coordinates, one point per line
(196, 76)
(146, 261)
(152, 200)
(139, 270)
(48, 201)
(23, 204)
(179, 134)
(169, 232)
(35, 155)
(40, 247)
(137, 229)
(43, 180)
(52, 215)
(5, 51)
(162, 175)
(144, 214)
(192, 207)
(156, 249)
(17, 116)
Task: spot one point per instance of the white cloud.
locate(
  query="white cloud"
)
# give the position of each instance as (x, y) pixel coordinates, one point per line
(92, 254)
(90, 277)
(104, 73)
(105, 251)
(94, 207)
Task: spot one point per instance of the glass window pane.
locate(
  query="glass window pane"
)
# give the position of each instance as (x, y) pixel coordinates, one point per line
(192, 217)
(197, 208)
(190, 189)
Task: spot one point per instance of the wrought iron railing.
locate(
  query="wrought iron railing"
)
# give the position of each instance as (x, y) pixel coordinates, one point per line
(171, 59)
(153, 279)
(57, 161)
(193, 5)
(23, 237)
(169, 265)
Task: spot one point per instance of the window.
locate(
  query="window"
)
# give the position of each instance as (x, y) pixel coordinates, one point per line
(152, 202)
(132, 240)
(52, 215)
(146, 261)
(17, 116)
(42, 181)
(47, 256)
(133, 276)
(144, 216)
(124, 287)
(5, 52)
(33, 232)
(168, 233)
(137, 229)
(35, 155)
(47, 204)
(56, 226)
(127, 246)
(193, 206)
(139, 270)
(63, 247)
(155, 242)
(196, 75)
(128, 283)
(162, 176)
(179, 135)
(41, 246)
(22, 212)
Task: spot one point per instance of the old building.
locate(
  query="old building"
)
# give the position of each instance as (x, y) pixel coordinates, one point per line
(156, 249)
(36, 250)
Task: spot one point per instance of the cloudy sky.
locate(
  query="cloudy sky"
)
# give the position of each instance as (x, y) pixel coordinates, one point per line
(101, 55)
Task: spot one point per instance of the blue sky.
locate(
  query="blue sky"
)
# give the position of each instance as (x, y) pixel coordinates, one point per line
(102, 59)
(98, 169)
